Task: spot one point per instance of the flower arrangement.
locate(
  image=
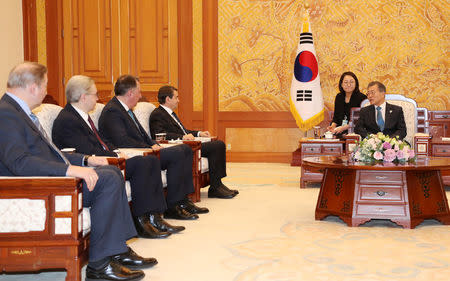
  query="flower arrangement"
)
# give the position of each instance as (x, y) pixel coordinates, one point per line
(382, 148)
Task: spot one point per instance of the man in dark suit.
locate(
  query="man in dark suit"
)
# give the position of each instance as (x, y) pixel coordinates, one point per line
(164, 120)
(73, 127)
(380, 116)
(119, 126)
(26, 150)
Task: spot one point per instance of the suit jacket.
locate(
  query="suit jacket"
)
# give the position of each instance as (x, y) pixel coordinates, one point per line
(119, 129)
(70, 130)
(162, 122)
(394, 123)
(23, 149)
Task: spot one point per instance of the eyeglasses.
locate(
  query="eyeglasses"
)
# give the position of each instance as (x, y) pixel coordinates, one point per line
(94, 94)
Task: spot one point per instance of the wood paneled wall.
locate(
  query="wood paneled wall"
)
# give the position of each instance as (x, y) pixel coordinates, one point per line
(153, 40)
(104, 39)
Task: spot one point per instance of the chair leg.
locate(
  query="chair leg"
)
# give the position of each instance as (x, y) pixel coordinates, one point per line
(73, 269)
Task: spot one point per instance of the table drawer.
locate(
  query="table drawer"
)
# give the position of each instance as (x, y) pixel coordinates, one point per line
(311, 149)
(381, 210)
(378, 177)
(332, 149)
(377, 193)
(441, 150)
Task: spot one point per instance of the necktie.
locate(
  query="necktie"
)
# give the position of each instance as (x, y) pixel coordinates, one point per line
(380, 120)
(131, 113)
(96, 133)
(179, 122)
(44, 134)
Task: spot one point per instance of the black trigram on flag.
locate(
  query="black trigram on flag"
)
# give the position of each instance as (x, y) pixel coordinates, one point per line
(306, 38)
(304, 95)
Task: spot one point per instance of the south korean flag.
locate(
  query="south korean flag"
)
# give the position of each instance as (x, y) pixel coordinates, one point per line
(306, 100)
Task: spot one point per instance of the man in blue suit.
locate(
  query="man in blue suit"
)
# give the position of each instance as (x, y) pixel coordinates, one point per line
(380, 116)
(26, 150)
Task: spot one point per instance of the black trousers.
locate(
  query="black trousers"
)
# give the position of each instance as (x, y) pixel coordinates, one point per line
(216, 154)
(111, 221)
(144, 174)
(177, 160)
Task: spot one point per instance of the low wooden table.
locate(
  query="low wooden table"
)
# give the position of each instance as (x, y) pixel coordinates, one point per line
(406, 193)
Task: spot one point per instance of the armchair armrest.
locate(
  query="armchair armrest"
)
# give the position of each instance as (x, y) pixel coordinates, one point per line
(119, 162)
(41, 225)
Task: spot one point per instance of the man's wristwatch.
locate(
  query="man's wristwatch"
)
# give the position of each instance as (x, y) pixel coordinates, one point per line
(85, 160)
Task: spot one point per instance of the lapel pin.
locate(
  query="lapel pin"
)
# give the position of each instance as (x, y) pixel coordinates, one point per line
(390, 111)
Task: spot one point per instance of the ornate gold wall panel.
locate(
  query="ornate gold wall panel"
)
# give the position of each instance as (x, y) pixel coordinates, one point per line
(41, 31)
(403, 44)
(197, 49)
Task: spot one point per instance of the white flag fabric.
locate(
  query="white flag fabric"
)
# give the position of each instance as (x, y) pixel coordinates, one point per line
(306, 100)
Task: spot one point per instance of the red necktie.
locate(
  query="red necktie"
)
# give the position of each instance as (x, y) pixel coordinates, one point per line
(96, 133)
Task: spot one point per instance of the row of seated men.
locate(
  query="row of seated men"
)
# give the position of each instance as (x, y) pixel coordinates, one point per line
(26, 150)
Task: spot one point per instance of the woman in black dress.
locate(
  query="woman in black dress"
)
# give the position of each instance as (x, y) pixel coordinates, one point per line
(349, 96)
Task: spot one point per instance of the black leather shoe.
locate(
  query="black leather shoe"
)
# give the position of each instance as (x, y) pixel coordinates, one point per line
(146, 230)
(179, 213)
(113, 271)
(220, 192)
(159, 223)
(232, 190)
(132, 260)
(192, 208)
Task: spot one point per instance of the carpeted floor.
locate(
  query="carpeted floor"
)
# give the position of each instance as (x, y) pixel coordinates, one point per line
(268, 232)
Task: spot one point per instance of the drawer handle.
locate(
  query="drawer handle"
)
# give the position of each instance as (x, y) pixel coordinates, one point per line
(380, 193)
(380, 177)
(445, 116)
(331, 149)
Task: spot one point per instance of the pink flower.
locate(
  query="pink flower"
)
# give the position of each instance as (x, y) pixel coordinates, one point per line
(411, 154)
(387, 145)
(389, 155)
(401, 155)
(378, 155)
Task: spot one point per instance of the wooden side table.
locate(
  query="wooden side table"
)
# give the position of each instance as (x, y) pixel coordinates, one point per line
(317, 147)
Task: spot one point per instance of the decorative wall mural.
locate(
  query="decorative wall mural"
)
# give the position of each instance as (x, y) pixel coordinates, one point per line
(403, 44)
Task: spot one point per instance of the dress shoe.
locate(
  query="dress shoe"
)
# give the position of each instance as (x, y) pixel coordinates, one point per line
(232, 190)
(159, 223)
(179, 213)
(146, 230)
(220, 192)
(113, 271)
(189, 206)
(132, 260)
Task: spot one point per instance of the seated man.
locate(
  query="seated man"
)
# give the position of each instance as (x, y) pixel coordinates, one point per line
(164, 120)
(380, 116)
(120, 127)
(26, 150)
(74, 128)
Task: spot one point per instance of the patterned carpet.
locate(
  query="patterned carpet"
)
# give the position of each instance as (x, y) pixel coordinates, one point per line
(268, 232)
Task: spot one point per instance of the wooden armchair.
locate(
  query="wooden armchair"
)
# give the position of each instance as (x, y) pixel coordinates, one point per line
(200, 171)
(416, 120)
(43, 225)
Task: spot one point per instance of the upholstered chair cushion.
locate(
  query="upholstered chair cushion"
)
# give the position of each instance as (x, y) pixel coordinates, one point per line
(142, 110)
(95, 113)
(47, 114)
